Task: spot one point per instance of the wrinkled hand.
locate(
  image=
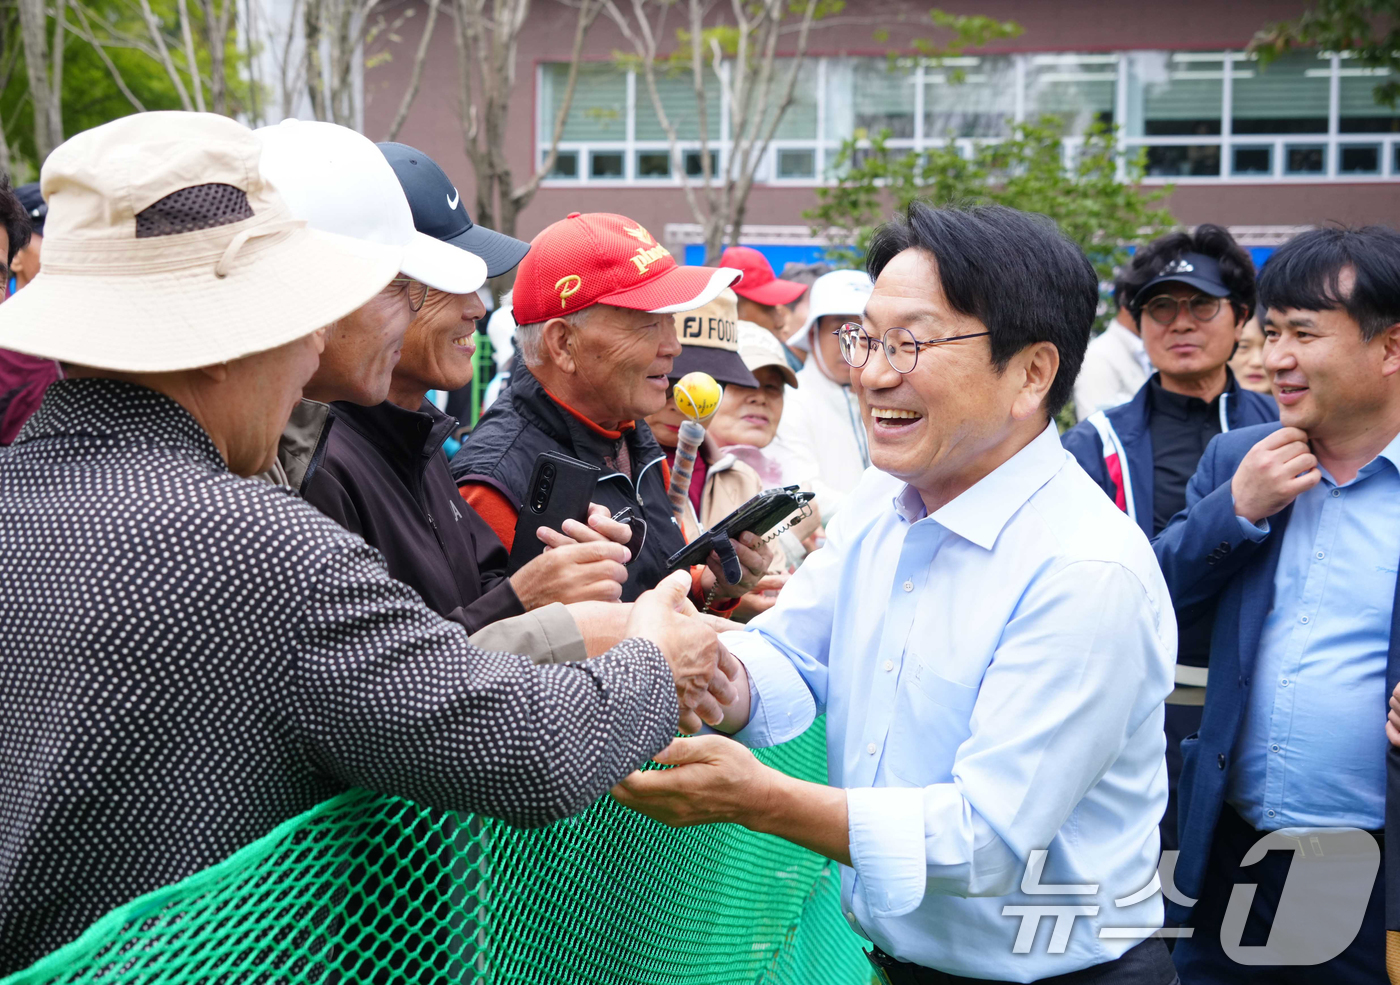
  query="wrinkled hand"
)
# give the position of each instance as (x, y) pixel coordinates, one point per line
(1392, 721)
(714, 779)
(690, 647)
(755, 602)
(601, 527)
(754, 556)
(1278, 469)
(573, 572)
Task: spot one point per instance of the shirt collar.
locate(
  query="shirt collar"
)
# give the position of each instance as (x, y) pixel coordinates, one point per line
(1182, 407)
(981, 512)
(1390, 453)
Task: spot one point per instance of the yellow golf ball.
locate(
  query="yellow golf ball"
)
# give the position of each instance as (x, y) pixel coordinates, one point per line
(697, 395)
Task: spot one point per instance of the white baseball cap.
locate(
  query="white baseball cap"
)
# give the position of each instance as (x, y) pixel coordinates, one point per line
(340, 182)
(500, 329)
(841, 292)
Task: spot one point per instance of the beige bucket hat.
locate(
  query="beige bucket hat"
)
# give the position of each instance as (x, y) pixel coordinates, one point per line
(166, 249)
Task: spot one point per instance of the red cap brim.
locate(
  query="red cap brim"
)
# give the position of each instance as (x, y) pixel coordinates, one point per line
(678, 289)
(774, 292)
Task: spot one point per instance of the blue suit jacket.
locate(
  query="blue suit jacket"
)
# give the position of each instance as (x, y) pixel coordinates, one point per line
(1131, 422)
(1204, 554)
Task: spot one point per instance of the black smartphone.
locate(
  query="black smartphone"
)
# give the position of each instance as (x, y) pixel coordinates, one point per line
(560, 489)
(759, 515)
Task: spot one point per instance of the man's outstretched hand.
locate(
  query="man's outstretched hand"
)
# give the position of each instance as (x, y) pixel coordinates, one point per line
(714, 780)
(689, 645)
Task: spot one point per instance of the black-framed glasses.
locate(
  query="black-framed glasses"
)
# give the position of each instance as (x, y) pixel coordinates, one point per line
(416, 290)
(900, 345)
(1164, 309)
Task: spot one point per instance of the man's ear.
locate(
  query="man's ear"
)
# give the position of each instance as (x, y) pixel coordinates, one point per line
(1390, 351)
(558, 339)
(217, 372)
(1039, 364)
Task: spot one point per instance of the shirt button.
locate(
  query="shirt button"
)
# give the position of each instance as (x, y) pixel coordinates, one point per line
(908, 586)
(1270, 813)
(1273, 748)
(870, 748)
(1336, 493)
(1321, 555)
(1283, 683)
(889, 666)
(1304, 620)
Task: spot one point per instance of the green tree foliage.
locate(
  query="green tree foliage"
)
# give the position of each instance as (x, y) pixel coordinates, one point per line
(1096, 207)
(1368, 30)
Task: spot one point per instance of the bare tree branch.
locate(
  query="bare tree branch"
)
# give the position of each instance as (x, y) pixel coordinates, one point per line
(163, 53)
(101, 49)
(416, 79)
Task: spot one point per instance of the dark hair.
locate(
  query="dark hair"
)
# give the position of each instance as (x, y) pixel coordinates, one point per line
(15, 217)
(804, 273)
(1015, 272)
(1236, 267)
(1306, 271)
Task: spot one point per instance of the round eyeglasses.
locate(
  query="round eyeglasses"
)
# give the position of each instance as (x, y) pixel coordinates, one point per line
(1164, 309)
(901, 348)
(416, 290)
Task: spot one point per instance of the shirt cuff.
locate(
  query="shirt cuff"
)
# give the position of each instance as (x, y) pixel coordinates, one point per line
(886, 830)
(1254, 532)
(781, 706)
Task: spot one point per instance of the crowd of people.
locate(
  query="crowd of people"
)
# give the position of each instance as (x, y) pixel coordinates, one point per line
(250, 561)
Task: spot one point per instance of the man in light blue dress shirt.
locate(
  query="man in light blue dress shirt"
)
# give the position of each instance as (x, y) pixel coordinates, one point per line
(1302, 524)
(988, 635)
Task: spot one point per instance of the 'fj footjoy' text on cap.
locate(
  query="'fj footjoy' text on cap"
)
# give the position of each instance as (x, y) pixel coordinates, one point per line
(709, 337)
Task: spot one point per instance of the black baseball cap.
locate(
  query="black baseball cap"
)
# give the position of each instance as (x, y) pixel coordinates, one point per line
(34, 205)
(438, 211)
(1197, 269)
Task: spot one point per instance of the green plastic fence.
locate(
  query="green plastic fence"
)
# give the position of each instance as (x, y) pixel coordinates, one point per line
(373, 889)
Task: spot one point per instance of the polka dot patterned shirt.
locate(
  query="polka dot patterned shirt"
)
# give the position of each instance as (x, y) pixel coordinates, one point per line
(188, 658)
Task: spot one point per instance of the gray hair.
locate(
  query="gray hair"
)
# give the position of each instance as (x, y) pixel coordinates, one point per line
(529, 339)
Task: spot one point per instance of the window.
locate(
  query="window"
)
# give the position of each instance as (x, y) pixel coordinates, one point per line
(969, 97)
(654, 164)
(694, 166)
(1253, 160)
(872, 95)
(605, 164)
(1194, 115)
(1077, 89)
(797, 163)
(1305, 159)
(1290, 96)
(599, 108)
(1359, 159)
(565, 164)
(677, 94)
(1175, 93)
(1358, 111)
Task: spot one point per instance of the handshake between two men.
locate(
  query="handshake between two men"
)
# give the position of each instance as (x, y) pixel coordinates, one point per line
(584, 565)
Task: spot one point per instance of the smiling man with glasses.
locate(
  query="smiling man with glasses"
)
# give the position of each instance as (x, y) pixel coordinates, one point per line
(1191, 294)
(989, 639)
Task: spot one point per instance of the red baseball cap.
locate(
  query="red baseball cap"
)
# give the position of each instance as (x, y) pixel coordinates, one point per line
(760, 285)
(602, 258)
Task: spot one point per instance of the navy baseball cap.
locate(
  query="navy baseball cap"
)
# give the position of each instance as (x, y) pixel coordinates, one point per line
(1200, 271)
(34, 205)
(438, 211)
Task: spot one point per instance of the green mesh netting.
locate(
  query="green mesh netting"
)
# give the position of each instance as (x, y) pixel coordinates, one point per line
(373, 889)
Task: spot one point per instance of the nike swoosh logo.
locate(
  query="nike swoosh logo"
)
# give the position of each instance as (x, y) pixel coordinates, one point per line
(452, 201)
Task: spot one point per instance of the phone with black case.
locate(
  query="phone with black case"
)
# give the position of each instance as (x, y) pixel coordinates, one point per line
(561, 488)
(759, 515)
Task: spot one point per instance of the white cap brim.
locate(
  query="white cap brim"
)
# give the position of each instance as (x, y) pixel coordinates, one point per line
(443, 267)
(720, 278)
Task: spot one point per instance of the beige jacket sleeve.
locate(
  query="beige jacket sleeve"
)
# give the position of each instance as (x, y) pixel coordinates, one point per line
(547, 635)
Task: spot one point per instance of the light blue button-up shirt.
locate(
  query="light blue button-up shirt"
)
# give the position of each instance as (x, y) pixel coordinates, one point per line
(993, 678)
(1311, 749)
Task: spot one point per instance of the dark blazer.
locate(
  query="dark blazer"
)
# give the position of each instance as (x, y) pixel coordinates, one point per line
(1204, 554)
(1132, 424)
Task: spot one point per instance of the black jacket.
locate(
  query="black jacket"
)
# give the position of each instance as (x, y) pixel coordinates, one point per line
(500, 452)
(385, 478)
